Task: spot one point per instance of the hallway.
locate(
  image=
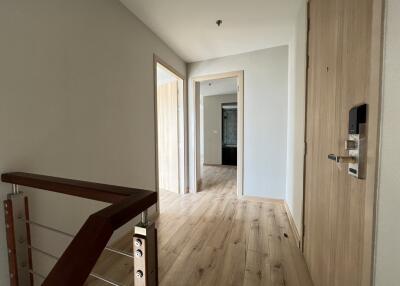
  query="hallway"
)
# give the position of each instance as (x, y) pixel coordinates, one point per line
(218, 179)
(213, 238)
(257, 136)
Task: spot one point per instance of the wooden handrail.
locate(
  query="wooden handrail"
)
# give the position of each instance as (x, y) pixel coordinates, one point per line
(81, 255)
(88, 190)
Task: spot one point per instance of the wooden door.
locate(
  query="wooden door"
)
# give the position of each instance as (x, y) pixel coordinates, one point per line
(343, 71)
(168, 136)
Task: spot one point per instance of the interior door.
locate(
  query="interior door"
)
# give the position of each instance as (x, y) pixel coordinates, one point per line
(343, 47)
(168, 136)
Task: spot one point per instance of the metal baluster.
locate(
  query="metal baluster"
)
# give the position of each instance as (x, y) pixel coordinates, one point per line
(145, 253)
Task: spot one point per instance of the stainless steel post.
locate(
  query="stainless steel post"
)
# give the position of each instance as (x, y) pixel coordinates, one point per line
(145, 258)
(144, 217)
(15, 189)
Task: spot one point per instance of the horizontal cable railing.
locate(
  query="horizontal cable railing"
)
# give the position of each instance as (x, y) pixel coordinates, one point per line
(30, 222)
(47, 254)
(77, 261)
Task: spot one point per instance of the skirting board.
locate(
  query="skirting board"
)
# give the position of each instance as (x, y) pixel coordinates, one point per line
(293, 225)
(259, 199)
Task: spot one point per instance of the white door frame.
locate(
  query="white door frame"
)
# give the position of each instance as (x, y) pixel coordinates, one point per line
(239, 75)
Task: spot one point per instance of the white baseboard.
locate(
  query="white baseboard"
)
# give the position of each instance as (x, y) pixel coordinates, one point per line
(293, 225)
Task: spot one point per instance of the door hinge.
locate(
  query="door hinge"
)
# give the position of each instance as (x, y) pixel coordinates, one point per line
(305, 148)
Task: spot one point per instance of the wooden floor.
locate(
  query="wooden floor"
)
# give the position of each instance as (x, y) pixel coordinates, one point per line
(213, 238)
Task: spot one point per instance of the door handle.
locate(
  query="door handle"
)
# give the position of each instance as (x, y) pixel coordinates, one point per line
(355, 144)
(342, 159)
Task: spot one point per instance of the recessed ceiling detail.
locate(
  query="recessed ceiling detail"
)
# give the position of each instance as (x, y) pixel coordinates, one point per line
(189, 26)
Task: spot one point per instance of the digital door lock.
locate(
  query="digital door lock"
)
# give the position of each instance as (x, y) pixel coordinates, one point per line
(355, 145)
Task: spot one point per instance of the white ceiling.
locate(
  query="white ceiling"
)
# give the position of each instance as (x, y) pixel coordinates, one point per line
(189, 28)
(218, 87)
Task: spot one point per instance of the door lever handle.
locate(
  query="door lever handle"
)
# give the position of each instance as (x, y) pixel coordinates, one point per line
(342, 159)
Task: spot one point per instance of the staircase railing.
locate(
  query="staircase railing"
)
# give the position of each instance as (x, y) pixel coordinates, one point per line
(77, 261)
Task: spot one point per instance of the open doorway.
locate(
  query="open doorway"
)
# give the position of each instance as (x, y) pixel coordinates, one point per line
(219, 132)
(229, 133)
(169, 104)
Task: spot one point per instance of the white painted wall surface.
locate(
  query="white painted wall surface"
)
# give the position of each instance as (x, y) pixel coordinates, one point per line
(296, 117)
(265, 117)
(211, 141)
(76, 101)
(388, 228)
(218, 86)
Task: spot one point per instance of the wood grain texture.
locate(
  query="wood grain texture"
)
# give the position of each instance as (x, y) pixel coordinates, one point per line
(338, 207)
(28, 240)
(168, 142)
(10, 236)
(83, 189)
(214, 238)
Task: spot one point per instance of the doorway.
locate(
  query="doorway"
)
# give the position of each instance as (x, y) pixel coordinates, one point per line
(229, 134)
(218, 136)
(170, 131)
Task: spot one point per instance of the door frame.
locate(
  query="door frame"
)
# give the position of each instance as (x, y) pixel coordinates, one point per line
(374, 91)
(182, 183)
(303, 217)
(195, 84)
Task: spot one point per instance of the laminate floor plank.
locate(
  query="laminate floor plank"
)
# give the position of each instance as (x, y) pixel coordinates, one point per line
(213, 238)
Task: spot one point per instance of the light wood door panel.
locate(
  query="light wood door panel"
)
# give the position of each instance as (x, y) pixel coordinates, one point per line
(168, 137)
(336, 204)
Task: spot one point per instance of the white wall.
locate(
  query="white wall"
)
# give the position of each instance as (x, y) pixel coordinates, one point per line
(211, 141)
(218, 86)
(388, 229)
(76, 100)
(296, 117)
(265, 117)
